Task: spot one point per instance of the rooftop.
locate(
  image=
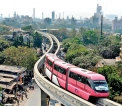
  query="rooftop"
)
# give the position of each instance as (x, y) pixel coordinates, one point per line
(7, 75)
(6, 79)
(103, 62)
(18, 69)
(8, 86)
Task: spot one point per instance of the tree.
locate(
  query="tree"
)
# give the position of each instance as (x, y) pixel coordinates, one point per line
(75, 50)
(28, 42)
(86, 61)
(113, 78)
(82, 30)
(76, 40)
(66, 44)
(90, 37)
(73, 32)
(37, 40)
(106, 70)
(106, 52)
(18, 41)
(3, 44)
(21, 56)
(60, 34)
(115, 48)
(2, 57)
(119, 67)
(28, 28)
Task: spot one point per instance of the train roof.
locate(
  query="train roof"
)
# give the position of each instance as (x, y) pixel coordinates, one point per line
(52, 57)
(75, 69)
(63, 64)
(87, 73)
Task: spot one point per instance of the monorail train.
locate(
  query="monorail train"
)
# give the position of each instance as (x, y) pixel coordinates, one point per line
(81, 82)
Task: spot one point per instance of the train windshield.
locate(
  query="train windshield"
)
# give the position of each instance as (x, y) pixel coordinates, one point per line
(100, 85)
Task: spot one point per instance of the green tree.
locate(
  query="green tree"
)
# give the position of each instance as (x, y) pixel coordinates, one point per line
(119, 67)
(4, 44)
(76, 40)
(90, 37)
(75, 50)
(106, 52)
(106, 71)
(114, 80)
(28, 42)
(2, 57)
(21, 56)
(86, 61)
(60, 34)
(37, 40)
(18, 41)
(28, 28)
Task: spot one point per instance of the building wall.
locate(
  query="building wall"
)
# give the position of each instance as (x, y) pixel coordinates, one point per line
(117, 24)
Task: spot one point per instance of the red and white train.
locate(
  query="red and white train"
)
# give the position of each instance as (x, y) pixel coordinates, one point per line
(81, 82)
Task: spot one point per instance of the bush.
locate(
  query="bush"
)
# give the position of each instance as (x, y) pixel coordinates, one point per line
(118, 99)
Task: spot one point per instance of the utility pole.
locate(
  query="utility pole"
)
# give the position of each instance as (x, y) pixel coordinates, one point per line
(101, 23)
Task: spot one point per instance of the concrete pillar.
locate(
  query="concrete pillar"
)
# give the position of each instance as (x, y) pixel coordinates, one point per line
(44, 99)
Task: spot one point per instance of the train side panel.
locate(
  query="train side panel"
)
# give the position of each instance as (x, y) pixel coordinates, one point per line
(48, 73)
(81, 91)
(59, 76)
(77, 88)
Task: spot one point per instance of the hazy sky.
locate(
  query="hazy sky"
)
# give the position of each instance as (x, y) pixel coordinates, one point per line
(77, 8)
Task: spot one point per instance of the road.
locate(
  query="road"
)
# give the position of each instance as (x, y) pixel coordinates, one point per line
(34, 98)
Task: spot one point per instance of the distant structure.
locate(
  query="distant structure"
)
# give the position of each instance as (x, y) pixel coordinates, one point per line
(14, 14)
(53, 16)
(8, 15)
(99, 8)
(63, 15)
(33, 13)
(42, 16)
(67, 17)
(59, 15)
(1, 16)
(111, 17)
(96, 19)
(117, 24)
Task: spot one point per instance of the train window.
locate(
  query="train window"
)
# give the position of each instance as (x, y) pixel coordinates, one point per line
(73, 75)
(59, 69)
(81, 79)
(49, 62)
(88, 82)
(56, 67)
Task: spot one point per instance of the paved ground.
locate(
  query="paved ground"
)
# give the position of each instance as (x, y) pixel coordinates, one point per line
(54, 102)
(34, 98)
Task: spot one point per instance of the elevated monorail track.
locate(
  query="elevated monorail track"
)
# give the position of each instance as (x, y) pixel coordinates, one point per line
(65, 97)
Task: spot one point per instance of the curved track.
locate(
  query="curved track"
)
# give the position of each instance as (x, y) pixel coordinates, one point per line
(61, 95)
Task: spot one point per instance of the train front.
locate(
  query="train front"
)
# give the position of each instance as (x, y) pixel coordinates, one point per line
(100, 88)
